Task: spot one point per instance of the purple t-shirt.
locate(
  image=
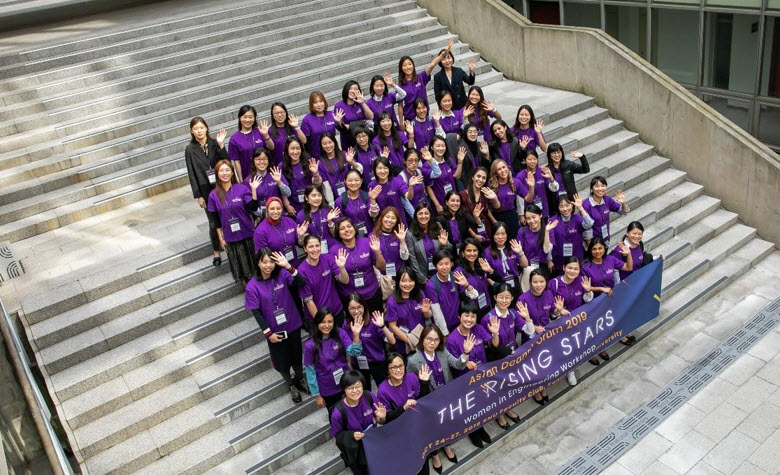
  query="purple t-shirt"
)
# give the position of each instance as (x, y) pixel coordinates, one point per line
(637, 256)
(539, 308)
(360, 267)
(278, 152)
(391, 194)
(373, 339)
(455, 346)
(451, 124)
(530, 242)
(394, 397)
(530, 132)
(506, 263)
(540, 190)
(318, 226)
(506, 196)
(572, 293)
(242, 146)
(386, 104)
(391, 251)
(275, 302)
(419, 189)
(444, 183)
(300, 180)
(335, 176)
(359, 418)
(314, 127)
(352, 113)
(424, 130)
(509, 326)
(330, 360)
(396, 149)
(480, 284)
(357, 211)
(234, 219)
(567, 239)
(447, 297)
(320, 284)
(406, 315)
(415, 90)
(268, 188)
(603, 275)
(280, 238)
(600, 214)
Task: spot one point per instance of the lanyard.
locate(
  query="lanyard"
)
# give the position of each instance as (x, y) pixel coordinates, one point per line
(271, 290)
(281, 234)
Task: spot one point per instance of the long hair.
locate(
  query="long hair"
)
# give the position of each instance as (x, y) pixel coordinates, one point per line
(494, 142)
(531, 123)
(401, 75)
(493, 248)
(337, 153)
(459, 215)
(220, 188)
(481, 113)
(317, 336)
(415, 294)
(257, 152)
(433, 225)
(474, 197)
(195, 121)
(345, 90)
(532, 208)
(393, 132)
(374, 80)
(431, 328)
(307, 206)
(466, 265)
(274, 130)
(389, 210)
(287, 164)
(493, 178)
(243, 110)
(262, 254)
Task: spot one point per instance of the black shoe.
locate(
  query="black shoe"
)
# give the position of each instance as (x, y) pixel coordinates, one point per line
(437, 469)
(295, 395)
(485, 436)
(504, 426)
(454, 458)
(512, 418)
(631, 338)
(477, 442)
(594, 361)
(604, 355)
(301, 385)
(546, 398)
(539, 401)
(217, 261)
(627, 342)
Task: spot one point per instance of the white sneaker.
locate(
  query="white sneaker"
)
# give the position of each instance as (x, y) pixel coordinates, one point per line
(572, 378)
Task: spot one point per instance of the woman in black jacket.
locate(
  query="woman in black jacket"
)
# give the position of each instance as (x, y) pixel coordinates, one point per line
(451, 78)
(201, 156)
(563, 171)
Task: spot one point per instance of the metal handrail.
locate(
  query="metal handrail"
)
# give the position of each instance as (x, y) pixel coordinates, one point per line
(23, 367)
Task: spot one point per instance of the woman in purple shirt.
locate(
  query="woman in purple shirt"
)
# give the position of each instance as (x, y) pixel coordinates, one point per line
(247, 138)
(508, 261)
(600, 205)
(318, 121)
(325, 357)
(317, 218)
(231, 204)
(633, 241)
(334, 164)
(373, 334)
(389, 189)
(356, 204)
(424, 238)
(458, 224)
(278, 232)
(505, 146)
(478, 111)
(283, 126)
(391, 232)
(353, 108)
(366, 152)
(390, 138)
(401, 390)
(382, 100)
(603, 269)
(469, 330)
(269, 297)
(445, 288)
(416, 176)
(567, 236)
(528, 129)
(362, 255)
(575, 291)
(537, 240)
(478, 273)
(425, 127)
(300, 171)
(352, 416)
(507, 189)
(438, 187)
(272, 183)
(534, 182)
(450, 120)
(408, 311)
(414, 84)
(321, 272)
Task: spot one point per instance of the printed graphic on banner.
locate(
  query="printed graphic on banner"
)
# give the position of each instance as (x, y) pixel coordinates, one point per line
(478, 397)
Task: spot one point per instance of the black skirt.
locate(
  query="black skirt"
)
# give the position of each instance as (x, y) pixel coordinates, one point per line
(242, 259)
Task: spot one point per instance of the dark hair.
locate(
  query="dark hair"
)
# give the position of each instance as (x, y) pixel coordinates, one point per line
(481, 114)
(470, 189)
(262, 254)
(361, 129)
(459, 215)
(532, 208)
(195, 121)
(435, 139)
(401, 75)
(635, 225)
(409, 152)
(441, 96)
(469, 306)
(529, 152)
(220, 188)
(428, 329)
(356, 297)
(243, 110)
(449, 53)
(287, 161)
(442, 254)
(531, 123)
(317, 335)
(415, 294)
(572, 260)
(419, 101)
(337, 233)
(337, 153)
(350, 171)
(493, 249)
(539, 272)
(351, 377)
(494, 142)
(393, 132)
(373, 81)
(502, 287)
(308, 238)
(256, 153)
(274, 130)
(380, 160)
(346, 88)
(433, 225)
(307, 206)
(554, 147)
(464, 264)
(595, 180)
(390, 358)
(594, 241)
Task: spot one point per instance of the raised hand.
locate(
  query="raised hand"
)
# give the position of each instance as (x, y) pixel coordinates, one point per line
(472, 65)
(530, 180)
(551, 225)
(373, 243)
(314, 166)
(385, 152)
(292, 119)
(524, 141)
(483, 148)
(493, 325)
(547, 173)
(341, 258)
(424, 373)
(443, 236)
(338, 115)
(400, 232)
(517, 248)
(374, 192)
(254, 183)
(409, 128)
(469, 342)
(416, 180)
(539, 126)
(276, 174)
(485, 266)
(586, 283)
(356, 325)
(488, 106)
(488, 193)
(359, 97)
(461, 154)
(302, 228)
(388, 79)
(460, 279)
(409, 403)
(559, 305)
(621, 198)
(577, 201)
(426, 305)
(624, 249)
(380, 411)
(280, 260)
(221, 137)
(522, 309)
(576, 154)
(467, 111)
(426, 154)
(378, 318)
(264, 126)
(436, 116)
(350, 155)
(334, 213)
(477, 211)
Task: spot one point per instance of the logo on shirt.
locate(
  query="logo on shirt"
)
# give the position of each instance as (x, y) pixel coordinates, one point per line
(290, 231)
(326, 273)
(279, 287)
(364, 255)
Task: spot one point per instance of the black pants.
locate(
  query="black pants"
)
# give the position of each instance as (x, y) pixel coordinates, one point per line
(213, 225)
(375, 371)
(287, 355)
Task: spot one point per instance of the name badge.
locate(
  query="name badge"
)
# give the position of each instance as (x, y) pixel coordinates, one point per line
(481, 229)
(362, 362)
(447, 188)
(300, 197)
(323, 246)
(390, 269)
(235, 226)
(538, 202)
(358, 279)
(280, 317)
(605, 232)
(404, 329)
(288, 254)
(211, 176)
(340, 189)
(567, 249)
(362, 229)
(430, 265)
(482, 300)
(337, 375)
(510, 283)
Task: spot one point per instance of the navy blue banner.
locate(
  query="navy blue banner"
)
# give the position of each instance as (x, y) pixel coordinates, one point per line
(476, 398)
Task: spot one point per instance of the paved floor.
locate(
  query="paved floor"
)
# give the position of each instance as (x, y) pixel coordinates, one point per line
(730, 426)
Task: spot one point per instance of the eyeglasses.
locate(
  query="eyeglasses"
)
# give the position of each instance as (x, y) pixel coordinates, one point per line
(395, 367)
(432, 340)
(355, 387)
(357, 309)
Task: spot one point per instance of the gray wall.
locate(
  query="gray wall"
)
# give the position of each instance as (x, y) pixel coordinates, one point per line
(731, 164)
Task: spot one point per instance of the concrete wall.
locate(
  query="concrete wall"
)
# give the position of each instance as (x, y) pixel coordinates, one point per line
(731, 164)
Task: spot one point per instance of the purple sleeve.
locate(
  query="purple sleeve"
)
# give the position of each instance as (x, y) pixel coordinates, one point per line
(392, 96)
(251, 298)
(305, 291)
(305, 127)
(233, 148)
(332, 263)
(212, 203)
(391, 311)
(345, 338)
(430, 292)
(520, 185)
(614, 206)
(615, 262)
(260, 238)
(404, 137)
(308, 353)
(335, 422)
(424, 78)
(247, 195)
(403, 187)
(415, 384)
(483, 334)
(453, 346)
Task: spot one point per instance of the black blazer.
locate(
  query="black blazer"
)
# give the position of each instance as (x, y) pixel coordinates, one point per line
(453, 145)
(459, 76)
(197, 164)
(567, 170)
(516, 155)
(463, 228)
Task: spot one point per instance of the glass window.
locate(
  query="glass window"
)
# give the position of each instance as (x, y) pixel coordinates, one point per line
(773, 4)
(675, 37)
(687, 2)
(770, 65)
(547, 13)
(735, 3)
(628, 25)
(769, 124)
(736, 110)
(730, 48)
(582, 14)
